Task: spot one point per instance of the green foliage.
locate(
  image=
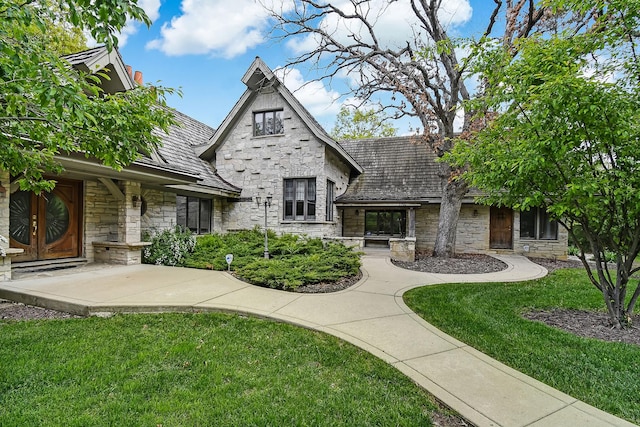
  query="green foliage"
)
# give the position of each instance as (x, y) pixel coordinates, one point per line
(196, 370)
(168, 247)
(488, 317)
(295, 260)
(353, 123)
(47, 108)
(566, 139)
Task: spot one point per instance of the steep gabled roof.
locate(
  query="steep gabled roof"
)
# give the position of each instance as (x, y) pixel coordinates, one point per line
(396, 170)
(178, 151)
(100, 59)
(260, 76)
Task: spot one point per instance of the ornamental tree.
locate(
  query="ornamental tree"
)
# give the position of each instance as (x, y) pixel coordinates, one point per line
(48, 109)
(564, 135)
(354, 123)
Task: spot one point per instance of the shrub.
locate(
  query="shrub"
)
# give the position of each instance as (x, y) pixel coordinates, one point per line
(168, 247)
(295, 260)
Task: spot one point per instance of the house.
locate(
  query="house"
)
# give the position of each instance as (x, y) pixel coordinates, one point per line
(367, 192)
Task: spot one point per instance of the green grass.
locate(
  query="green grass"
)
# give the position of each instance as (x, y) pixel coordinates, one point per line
(488, 318)
(195, 370)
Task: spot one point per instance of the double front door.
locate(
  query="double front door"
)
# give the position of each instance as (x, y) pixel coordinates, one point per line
(47, 226)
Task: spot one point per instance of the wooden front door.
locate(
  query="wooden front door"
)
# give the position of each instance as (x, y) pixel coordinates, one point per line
(47, 226)
(501, 228)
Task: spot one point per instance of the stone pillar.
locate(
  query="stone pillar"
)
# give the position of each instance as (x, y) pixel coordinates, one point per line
(5, 261)
(127, 250)
(411, 232)
(128, 214)
(403, 249)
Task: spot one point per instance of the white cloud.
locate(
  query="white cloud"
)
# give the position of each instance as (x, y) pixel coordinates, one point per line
(394, 23)
(316, 98)
(151, 8)
(216, 27)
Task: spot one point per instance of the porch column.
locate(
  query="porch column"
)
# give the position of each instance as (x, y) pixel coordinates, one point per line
(128, 249)
(412, 223)
(5, 261)
(129, 213)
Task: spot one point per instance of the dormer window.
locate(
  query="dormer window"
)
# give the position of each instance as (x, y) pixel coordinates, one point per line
(268, 123)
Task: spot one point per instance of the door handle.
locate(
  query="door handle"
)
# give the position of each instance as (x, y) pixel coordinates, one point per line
(35, 227)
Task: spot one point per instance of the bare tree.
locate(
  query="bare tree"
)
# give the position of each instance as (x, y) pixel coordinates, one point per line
(424, 75)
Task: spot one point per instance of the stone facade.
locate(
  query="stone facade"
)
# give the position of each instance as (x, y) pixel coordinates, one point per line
(5, 261)
(260, 164)
(113, 223)
(100, 217)
(160, 210)
(472, 234)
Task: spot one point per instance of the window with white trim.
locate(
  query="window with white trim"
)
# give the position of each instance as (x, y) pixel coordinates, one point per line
(535, 224)
(268, 123)
(300, 199)
(194, 213)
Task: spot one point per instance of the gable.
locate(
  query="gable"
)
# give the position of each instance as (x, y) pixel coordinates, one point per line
(99, 59)
(260, 81)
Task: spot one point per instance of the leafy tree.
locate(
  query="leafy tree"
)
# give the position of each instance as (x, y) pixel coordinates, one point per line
(566, 139)
(61, 37)
(424, 74)
(49, 109)
(354, 123)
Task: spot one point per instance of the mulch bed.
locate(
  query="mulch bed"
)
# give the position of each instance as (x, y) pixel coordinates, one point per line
(588, 324)
(460, 264)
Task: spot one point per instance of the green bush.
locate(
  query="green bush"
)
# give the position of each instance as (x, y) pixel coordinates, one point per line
(168, 247)
(295, 260)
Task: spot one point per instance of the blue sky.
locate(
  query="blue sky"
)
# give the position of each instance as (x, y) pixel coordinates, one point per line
(204, 47)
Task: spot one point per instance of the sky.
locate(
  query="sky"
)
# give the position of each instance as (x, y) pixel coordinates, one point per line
(203, 48)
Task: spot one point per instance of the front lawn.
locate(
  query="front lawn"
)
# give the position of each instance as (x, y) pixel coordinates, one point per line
(489, 318)
(195, 369)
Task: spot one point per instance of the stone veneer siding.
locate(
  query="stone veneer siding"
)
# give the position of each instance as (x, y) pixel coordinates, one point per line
(101, 220)
(259, 165)
(161, 211)
(472, 233)
(100, 217)
(5, 262)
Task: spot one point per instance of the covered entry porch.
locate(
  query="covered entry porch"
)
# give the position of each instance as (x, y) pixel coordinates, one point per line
(382, 225)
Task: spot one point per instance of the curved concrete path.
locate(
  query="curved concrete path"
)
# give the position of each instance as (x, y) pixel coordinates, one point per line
(371, 315)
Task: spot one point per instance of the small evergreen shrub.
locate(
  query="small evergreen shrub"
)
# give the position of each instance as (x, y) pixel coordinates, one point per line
(168, 247)
(295, 260)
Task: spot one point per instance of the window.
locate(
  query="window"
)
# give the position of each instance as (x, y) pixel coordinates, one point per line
(331, 189)
(536, 224)
(194, 213)
(268, 123)
(300, 199)
(385, 223)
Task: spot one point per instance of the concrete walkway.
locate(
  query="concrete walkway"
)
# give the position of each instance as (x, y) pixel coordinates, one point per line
(371, 315)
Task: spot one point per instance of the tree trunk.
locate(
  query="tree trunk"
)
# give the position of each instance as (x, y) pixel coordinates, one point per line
(452, 194)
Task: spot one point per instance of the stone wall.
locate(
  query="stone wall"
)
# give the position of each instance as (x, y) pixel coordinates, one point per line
(160, 211)
(259, 165)
(472, 234)
(100, 217)
(556, 249)
(5, 261)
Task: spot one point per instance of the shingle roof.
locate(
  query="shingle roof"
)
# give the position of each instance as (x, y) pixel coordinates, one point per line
(177, 151)
(395, 169)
